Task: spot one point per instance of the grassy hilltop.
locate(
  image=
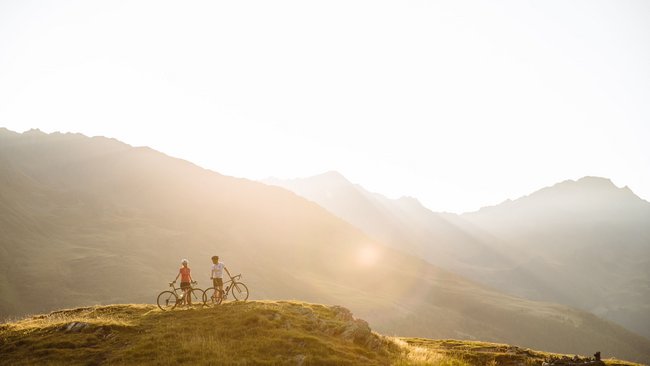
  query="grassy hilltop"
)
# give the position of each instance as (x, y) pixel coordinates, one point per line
(238, 333)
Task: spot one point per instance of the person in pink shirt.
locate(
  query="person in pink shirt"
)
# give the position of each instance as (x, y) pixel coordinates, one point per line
(186, 281)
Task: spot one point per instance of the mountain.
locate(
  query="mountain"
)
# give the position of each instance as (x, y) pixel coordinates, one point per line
(582, 243)
(269, 332)
(94, 221)
(404, 223)
(585, 243)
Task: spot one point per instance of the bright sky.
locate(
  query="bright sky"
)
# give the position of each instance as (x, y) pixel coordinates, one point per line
(458, 103)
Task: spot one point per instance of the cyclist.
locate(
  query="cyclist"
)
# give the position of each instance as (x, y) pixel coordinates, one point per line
(216, 274)
(186, 280)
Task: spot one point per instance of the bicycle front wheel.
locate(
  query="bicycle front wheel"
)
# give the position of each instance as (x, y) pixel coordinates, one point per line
(212, 296)
(167, 300)
(239, 291)
(196, 297)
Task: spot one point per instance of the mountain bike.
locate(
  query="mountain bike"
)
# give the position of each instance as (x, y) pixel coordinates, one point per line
(169, 299)
(213, 296)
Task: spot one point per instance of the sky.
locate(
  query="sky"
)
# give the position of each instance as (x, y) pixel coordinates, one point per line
(460, 104)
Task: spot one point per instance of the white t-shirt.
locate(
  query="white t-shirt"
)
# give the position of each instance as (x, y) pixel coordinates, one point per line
(217, 270)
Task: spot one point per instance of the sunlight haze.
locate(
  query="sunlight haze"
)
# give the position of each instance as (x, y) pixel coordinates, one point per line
(460, 104)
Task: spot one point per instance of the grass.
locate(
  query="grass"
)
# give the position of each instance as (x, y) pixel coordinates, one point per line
(457, 352)
(237, 333)
(234, 333)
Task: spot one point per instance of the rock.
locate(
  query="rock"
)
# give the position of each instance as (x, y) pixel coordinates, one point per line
(342, 313)
(358, 331)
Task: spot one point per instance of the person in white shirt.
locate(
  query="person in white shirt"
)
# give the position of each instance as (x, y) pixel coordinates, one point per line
(216, 274)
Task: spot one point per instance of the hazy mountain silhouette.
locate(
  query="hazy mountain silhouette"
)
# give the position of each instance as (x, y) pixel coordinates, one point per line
(93, 220)
(583, 243)
(586, 243)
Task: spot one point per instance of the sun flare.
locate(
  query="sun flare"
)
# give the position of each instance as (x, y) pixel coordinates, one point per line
(368, 256)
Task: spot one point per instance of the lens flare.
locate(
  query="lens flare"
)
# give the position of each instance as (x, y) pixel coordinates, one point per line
(368, 256)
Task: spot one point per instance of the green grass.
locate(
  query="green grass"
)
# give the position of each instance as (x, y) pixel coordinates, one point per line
(237, 333)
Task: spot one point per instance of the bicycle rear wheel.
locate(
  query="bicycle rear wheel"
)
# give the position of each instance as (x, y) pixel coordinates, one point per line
(211, 296)
(167, 300)
(239, 291)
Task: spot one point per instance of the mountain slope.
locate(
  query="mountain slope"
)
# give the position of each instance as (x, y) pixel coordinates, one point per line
(403, 223)
(236, 333)
(584, 243)
(92, 220)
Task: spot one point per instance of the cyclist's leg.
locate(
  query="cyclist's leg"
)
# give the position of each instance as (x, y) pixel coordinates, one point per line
(214, 285)
(218, 285)
(185, 296)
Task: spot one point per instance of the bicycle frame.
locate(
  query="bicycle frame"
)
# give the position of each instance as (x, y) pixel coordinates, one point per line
(226, 290)
(169, 299)
(177, 290)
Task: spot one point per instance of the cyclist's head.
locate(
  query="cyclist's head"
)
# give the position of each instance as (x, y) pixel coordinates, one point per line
(184, 262)
(215, 258)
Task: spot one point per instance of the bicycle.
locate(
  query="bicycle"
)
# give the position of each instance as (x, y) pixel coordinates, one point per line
(239, 292)
(169, 299)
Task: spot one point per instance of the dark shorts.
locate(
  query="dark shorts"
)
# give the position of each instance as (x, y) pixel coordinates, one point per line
(217, 282)
(185, 285)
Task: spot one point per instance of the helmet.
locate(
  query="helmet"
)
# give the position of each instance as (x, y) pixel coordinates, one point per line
(184, 261)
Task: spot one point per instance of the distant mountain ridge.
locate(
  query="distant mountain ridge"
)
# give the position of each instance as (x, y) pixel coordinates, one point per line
(584, 243)
(93, 221)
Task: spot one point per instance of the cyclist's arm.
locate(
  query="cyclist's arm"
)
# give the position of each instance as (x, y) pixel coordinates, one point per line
(227, 271)
(176, 277)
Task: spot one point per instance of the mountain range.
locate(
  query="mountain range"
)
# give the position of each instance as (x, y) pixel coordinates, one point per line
(95, 221)
(583, 243)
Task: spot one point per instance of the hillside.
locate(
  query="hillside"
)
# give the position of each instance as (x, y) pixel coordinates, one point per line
(90, 221)
(403, 223)
(582, 243)
(251, 333)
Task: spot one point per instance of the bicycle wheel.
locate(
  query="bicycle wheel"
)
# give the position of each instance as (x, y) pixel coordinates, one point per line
(196, 295)
(212, 297)
(239, 291)
(167, 300)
